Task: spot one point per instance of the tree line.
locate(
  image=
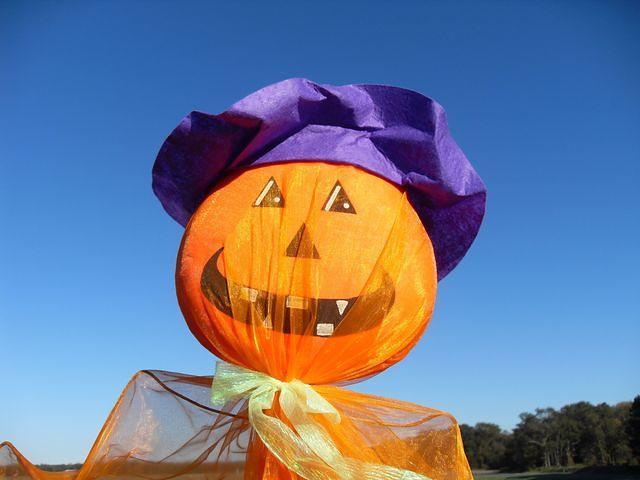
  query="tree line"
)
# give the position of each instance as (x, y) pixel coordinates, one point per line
(576, 434)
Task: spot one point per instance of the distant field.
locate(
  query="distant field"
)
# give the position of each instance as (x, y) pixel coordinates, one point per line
(558, 476)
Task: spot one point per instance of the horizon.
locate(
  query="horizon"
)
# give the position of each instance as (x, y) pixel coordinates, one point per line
(542, 97)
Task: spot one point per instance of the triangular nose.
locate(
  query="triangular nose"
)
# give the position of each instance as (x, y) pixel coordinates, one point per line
(302, 245)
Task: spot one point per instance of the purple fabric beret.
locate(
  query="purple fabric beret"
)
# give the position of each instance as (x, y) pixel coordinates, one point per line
(395, 133)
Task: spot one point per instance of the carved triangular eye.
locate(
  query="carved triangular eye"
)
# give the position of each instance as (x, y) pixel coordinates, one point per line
(270, 196)
(338, 200)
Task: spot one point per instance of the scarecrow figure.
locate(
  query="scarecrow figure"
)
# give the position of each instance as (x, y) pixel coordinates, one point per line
(318, 222)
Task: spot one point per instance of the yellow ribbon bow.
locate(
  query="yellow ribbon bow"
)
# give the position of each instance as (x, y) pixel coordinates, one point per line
(311, 453)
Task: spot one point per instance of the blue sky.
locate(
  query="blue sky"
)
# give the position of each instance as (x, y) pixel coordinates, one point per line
(544, 97)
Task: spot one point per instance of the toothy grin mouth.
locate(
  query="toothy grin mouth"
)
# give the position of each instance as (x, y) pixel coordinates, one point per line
(301, 315)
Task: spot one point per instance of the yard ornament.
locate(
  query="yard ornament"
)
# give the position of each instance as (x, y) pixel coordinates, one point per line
(318, 221)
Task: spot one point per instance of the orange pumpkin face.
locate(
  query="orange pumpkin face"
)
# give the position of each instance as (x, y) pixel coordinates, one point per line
(310, 262)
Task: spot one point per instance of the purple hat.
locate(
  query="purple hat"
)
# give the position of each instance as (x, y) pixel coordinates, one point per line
(395, 133)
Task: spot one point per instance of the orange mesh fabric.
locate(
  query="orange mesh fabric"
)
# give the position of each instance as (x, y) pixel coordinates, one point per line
(162, 428)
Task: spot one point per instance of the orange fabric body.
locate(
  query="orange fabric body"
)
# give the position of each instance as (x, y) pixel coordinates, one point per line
(264, 264)
(162, 427)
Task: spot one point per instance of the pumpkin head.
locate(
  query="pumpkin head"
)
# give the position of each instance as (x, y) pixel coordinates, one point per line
(324, 264)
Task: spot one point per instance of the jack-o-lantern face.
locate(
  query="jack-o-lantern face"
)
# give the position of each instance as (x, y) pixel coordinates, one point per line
(301, 315)
(304, 259)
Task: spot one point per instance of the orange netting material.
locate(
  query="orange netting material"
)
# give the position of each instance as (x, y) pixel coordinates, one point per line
(163, 428)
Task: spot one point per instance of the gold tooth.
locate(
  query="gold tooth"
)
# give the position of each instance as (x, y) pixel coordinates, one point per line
(324, 329)
(342, 306)
(250, 294)
(296, 302)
